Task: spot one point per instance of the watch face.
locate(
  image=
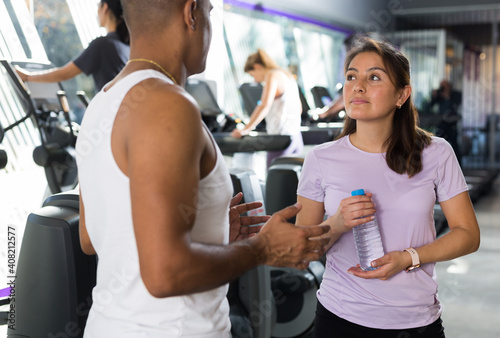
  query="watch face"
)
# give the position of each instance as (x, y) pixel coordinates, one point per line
(413, 267)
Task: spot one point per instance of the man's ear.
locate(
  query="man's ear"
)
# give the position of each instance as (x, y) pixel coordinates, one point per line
(189, 13)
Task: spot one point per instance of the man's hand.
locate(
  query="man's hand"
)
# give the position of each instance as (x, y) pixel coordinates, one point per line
(241, 227)
(289, 245)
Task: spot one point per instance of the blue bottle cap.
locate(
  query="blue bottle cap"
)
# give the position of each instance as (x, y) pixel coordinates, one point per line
(358, 192)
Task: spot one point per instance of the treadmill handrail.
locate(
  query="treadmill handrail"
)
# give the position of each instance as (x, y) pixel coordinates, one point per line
(23, 90)
(251, 143)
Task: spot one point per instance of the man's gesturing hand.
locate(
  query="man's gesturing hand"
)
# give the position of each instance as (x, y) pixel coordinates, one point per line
(286, 244)
(241, 227)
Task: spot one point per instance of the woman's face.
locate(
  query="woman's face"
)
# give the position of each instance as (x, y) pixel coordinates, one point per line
(258, 73)
(369, 93)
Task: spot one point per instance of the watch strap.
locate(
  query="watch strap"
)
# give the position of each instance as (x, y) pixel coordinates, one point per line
(415, 259)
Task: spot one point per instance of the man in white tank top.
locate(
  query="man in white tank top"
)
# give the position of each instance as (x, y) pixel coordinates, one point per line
(155, 200)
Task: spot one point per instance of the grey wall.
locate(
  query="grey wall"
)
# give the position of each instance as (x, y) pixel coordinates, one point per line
(375, 15)
(424, 4)
(359, 15)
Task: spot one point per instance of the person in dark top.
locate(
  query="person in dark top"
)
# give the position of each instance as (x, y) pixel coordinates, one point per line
(448, 101)
(104, 57)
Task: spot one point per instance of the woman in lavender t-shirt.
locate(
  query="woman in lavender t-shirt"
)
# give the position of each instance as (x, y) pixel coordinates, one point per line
(404, 171)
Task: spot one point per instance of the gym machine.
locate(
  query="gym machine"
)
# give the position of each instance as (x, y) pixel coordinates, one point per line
(3, 154)
(46, 105)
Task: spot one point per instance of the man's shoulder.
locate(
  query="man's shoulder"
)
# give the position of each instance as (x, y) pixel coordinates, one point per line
(154, 100)
(155, 90)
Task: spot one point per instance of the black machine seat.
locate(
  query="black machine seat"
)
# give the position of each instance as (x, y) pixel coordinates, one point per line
(54, 277)
(281, 183)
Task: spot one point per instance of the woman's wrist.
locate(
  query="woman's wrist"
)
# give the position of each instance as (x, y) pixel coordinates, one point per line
(336, 225)
(335, 230)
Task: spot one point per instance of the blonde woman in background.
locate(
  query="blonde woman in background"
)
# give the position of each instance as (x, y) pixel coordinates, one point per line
(280, 104)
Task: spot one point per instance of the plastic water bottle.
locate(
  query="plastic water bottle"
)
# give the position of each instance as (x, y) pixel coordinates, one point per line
(367, 239)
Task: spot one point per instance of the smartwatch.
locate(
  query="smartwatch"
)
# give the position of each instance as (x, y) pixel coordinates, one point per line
(415, 259)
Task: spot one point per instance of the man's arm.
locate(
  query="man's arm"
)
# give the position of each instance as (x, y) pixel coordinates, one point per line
(164, 151)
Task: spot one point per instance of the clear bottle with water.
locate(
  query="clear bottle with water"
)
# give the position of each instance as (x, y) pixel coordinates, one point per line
(367, 239)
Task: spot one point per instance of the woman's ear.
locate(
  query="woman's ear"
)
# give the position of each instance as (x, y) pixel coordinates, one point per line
(258, 66)
(404, 95)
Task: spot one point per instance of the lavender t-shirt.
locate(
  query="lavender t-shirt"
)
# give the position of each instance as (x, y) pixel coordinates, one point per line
(405, 216)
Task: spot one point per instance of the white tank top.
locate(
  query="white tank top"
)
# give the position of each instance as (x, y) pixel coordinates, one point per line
(122, 306)
(284, 116)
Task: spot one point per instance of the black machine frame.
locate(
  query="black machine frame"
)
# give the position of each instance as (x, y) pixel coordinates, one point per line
(46, 105)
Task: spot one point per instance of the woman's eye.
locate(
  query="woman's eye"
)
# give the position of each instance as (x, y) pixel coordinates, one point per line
(349, 77)
(374, 77)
